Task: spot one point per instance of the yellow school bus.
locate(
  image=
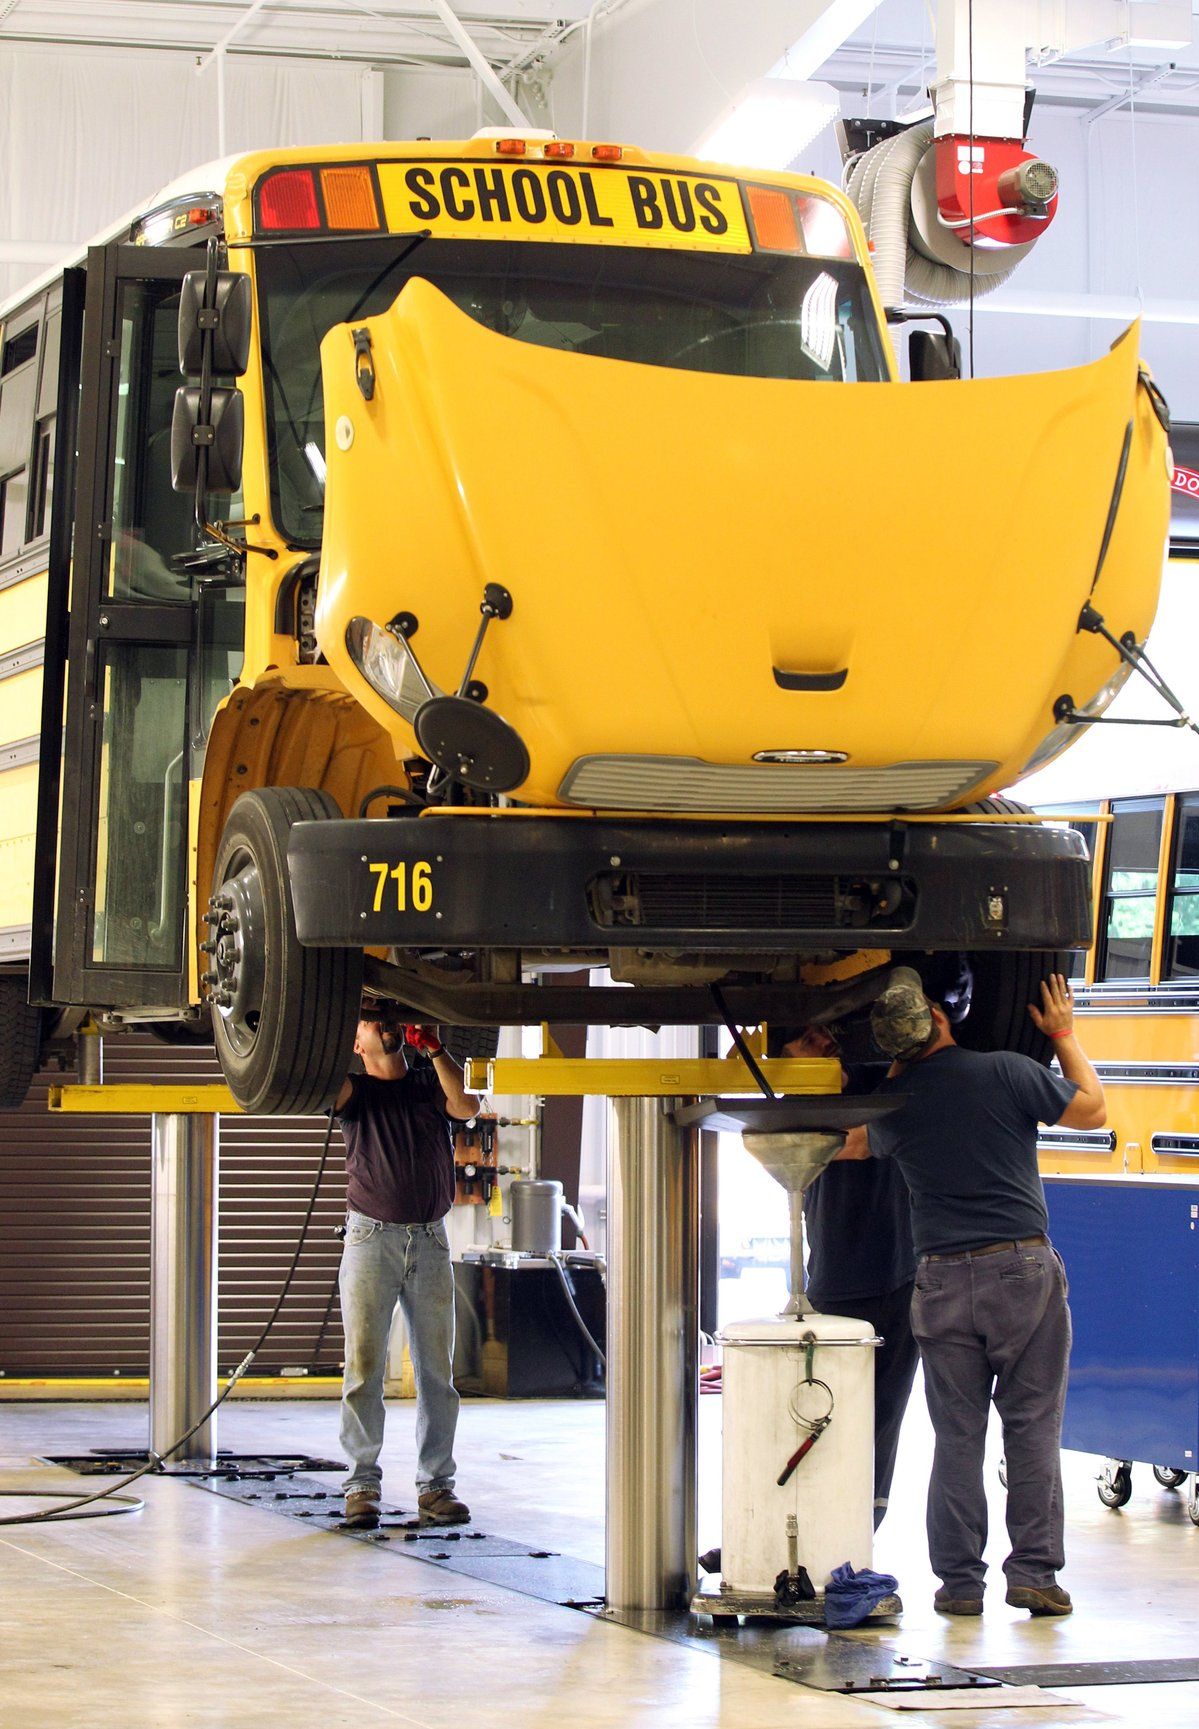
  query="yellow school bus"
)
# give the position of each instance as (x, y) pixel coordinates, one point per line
(455, 562)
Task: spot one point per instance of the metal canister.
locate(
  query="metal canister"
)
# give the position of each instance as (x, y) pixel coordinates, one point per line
(536, 1215)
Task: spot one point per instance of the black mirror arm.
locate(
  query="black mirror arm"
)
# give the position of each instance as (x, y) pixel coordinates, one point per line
(901, 315)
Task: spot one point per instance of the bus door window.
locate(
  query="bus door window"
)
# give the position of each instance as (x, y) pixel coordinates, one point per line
(144, 768)
(140, 838)
(1130, 889)
(1182, 931)
(151, 521)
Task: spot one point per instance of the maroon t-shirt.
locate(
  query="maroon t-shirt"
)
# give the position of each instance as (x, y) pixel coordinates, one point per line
(399, 1148)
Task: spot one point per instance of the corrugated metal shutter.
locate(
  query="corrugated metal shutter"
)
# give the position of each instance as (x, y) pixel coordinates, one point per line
(75, 1230)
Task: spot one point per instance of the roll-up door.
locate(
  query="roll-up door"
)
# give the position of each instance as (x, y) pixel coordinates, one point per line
(75, 1231)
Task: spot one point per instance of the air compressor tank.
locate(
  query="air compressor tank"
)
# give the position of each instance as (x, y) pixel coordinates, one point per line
(774, 1392)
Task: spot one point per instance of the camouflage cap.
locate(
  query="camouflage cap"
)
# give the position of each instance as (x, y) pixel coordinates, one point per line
(901, 1020)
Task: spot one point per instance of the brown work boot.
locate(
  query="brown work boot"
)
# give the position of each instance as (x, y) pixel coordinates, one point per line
(1040, 1599)
(947, 1604)
(441, 1507)
(362, 1510)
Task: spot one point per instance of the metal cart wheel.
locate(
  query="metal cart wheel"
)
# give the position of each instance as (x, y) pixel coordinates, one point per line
(1115, 1483)
(1168, 1477)
(1193, 1501)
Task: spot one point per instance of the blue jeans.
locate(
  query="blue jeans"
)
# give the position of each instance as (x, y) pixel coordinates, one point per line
(381, 1265)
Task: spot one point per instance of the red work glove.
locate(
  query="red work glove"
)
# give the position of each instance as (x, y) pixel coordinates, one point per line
(424, 1039)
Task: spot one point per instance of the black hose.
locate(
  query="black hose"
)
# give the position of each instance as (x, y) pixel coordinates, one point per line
(574, 1309)
(156, 1460)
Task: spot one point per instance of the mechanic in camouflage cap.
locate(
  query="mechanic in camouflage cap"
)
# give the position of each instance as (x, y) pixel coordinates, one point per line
(901, 1020)
(989, 1305)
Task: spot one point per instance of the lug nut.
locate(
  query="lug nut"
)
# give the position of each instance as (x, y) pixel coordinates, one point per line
(207, 948)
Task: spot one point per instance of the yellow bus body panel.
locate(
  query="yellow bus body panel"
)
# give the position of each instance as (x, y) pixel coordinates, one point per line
(22, 625)
(673, 540)
(18, 811)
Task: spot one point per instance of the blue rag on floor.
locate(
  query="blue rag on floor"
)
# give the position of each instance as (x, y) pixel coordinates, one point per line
(849, 1597)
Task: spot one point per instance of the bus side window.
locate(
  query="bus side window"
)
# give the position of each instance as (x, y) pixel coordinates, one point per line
(1182, 929)
(18, 401)
(1130, 889)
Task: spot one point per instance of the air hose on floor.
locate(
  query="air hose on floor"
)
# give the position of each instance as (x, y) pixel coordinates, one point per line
(76, 1505)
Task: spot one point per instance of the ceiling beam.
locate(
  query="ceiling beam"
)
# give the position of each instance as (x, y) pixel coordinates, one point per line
(483, 70)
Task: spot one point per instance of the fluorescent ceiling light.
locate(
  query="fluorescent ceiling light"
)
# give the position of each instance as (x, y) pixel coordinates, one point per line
(771, 121)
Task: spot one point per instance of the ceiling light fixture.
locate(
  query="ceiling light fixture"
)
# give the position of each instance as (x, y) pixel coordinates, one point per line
(771, 121)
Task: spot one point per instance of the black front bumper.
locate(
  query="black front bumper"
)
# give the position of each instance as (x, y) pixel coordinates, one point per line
(587, 883)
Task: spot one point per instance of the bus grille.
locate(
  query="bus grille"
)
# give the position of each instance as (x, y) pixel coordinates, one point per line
(685, 784)
(678, 901)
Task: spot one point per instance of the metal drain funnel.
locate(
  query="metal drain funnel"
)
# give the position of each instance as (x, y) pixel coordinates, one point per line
(795, 1158)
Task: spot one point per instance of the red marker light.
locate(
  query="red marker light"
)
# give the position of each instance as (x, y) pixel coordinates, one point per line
(288, 200)
(510, 146)
(607, 152)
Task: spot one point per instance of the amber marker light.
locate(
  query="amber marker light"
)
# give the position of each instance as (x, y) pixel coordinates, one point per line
(776, 227)
(510, 146)
(288, 200)
(349, 198)
(607, 152)
(558, 150)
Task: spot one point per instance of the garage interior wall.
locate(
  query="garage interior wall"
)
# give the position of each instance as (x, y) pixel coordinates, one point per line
(91, 134)
(75, 1231)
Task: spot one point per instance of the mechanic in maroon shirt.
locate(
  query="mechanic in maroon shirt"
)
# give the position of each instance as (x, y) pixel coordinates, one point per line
(397, 1121)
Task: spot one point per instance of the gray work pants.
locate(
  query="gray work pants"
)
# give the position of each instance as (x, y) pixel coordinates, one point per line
(994, 1327)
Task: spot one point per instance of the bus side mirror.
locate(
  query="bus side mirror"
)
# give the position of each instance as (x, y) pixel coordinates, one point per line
(933, 354)
(221, 436)
(229, 321)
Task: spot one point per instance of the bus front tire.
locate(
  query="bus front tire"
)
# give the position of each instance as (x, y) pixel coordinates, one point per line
(1005, 984)
(284, 1016)
(20, 1040)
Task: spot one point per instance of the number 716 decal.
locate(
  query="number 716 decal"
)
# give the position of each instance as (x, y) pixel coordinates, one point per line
(413, 887)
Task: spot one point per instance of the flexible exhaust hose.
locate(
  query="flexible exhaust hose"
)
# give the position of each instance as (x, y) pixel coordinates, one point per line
(879, 185)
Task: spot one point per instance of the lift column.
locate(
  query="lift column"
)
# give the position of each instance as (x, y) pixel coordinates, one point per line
(183, 1270)
(653, 1356)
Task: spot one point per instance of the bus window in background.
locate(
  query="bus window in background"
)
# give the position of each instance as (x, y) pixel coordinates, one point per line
(1079, 818)
(1130, 889)
(1181, 959)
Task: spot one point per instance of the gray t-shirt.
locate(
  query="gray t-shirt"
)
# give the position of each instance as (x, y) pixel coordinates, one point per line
(966, 1142)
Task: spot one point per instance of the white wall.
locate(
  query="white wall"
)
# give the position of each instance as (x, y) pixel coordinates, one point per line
(89, 134)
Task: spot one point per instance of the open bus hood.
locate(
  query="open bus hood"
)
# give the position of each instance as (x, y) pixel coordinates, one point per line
(706, 567)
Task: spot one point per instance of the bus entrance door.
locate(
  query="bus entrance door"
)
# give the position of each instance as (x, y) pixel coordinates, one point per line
(122, 839)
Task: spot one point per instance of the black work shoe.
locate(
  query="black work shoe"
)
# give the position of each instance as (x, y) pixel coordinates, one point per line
(362, 1510)
(441, 1507)
(1040, 1599)
(946, 1604)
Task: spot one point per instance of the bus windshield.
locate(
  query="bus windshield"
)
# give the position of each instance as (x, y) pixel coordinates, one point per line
(762, 315)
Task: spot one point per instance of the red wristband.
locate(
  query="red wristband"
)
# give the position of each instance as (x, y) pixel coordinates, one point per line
(1066, 1033)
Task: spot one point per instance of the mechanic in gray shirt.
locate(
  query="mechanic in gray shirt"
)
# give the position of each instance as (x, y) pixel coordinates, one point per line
(989, 1306)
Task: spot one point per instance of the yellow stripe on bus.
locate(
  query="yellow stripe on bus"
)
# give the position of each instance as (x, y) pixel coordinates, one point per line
(543, 201)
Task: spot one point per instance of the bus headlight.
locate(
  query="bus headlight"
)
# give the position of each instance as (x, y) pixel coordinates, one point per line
(384, 662)
(1055, 742)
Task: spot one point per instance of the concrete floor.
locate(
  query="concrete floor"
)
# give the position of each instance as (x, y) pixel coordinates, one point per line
(200, 1613)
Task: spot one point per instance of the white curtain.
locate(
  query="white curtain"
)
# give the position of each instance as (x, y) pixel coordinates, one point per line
(90, 134)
